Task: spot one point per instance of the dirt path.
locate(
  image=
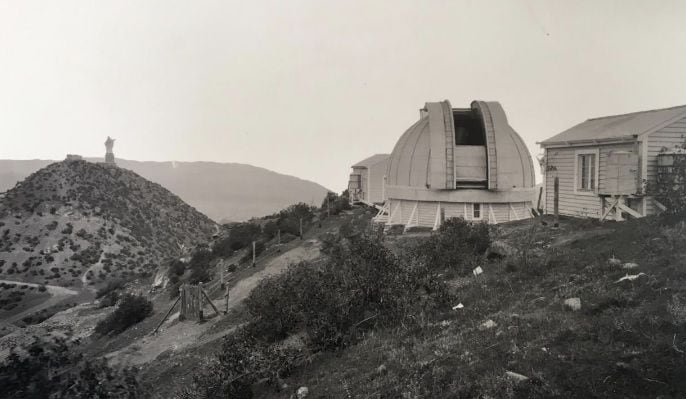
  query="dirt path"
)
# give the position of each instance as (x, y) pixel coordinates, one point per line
(57, 294)
(276, 266)
(176, 335)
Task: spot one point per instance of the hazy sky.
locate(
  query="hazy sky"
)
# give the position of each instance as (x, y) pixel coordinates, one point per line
(310, 87)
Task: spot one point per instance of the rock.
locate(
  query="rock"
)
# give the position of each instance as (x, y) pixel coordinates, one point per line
(487, 325)
(630, 265)
(631, 277)
(477, 271)
(302, 392)
(516, 376)
(382, 369)
(500, 249)
(458, 306)
(573, 304)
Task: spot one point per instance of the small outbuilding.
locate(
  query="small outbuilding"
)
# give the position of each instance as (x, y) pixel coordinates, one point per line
(603, 165)
(458, 162)
(366, 184)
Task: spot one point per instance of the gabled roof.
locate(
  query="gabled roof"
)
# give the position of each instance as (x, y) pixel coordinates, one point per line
(618, 127)
(373, 160)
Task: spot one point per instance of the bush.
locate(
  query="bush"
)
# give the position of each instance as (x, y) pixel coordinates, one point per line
(131, 310)
(456, 247)
(176, 268)
(199, 265)
(53, 369)
(334, 204)
(331, 299)
(288, 220)
(112, 285)
(670, 189)
(270, 230)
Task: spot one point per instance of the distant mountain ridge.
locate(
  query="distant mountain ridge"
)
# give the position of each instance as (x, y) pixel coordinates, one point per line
(222, 191)
(78, 222)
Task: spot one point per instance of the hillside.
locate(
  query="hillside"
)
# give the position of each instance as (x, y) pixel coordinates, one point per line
(222, 191)
(583, 310)
(77, 222)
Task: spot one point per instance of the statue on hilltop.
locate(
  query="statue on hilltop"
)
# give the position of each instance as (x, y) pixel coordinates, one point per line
(109, 155)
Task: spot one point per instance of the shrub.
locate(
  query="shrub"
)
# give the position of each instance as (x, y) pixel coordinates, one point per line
(330, 299)
(288, 220)
(334, 204)
(456, 246)
(131, 310)
(53, 369)
(176, 268)
(270, 230)
(199, 265)
(670, 189)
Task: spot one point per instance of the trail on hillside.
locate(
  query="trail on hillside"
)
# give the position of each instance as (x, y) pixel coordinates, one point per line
(180, 335)
(57, 294)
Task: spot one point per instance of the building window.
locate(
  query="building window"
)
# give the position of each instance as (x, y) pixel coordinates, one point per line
(476, 211)
(586, 172)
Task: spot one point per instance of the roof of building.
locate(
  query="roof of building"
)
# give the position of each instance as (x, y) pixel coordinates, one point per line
(373, 160)
(623, 126)
(419, 157)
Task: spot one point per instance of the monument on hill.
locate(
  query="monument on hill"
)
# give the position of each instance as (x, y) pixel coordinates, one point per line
(109, 155)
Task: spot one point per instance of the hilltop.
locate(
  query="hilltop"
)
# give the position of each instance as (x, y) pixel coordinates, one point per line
(77, 223)
(222, 191)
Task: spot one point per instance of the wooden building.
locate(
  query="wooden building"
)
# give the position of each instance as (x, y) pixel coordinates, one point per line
(604, 164)
(366, 184)
(458, 162)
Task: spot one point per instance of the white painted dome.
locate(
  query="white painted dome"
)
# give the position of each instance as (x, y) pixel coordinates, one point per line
(450, 148)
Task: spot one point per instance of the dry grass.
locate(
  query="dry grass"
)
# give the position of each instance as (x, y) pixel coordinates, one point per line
(626, 341)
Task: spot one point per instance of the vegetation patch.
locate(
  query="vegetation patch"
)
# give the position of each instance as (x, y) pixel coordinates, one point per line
(130, 310)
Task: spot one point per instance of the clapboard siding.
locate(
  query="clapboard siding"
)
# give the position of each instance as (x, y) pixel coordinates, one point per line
(376, 181)
(425, 215)
(667, 137)
(570, 203)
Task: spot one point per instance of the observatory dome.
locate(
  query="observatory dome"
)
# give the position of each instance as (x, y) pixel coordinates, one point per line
(449, 147)
(459, 162)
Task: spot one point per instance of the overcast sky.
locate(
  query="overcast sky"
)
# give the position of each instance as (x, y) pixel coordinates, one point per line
(308, 88)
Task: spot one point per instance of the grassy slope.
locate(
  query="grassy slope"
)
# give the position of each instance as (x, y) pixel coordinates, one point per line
(626, 341)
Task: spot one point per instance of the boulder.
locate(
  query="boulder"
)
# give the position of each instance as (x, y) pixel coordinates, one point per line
(302, 392)
(630, 265)
(382, 369)
(573, 304)
(516, 376)
(487, 325)
(500, 249)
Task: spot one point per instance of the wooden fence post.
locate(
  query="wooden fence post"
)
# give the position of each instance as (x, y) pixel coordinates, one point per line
(301, 228)
(199, 301)
(556, 201)
(253, 254)
(278, 237)
(226, 300)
